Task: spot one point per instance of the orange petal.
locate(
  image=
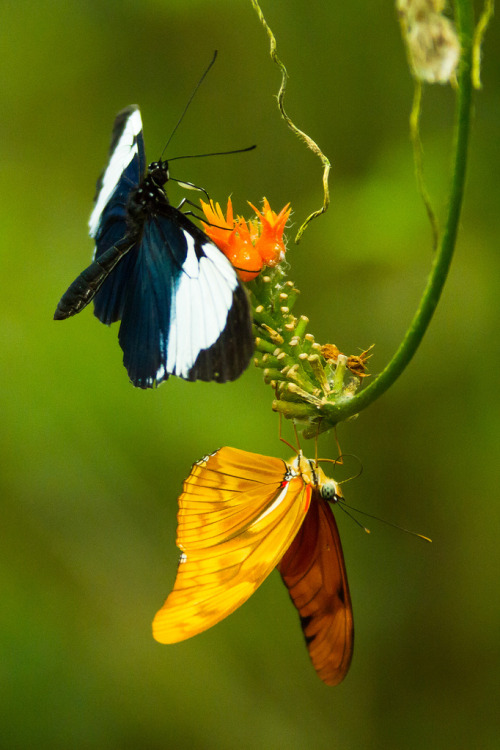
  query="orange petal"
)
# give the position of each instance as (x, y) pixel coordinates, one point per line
(270, 243)
(242, 252)
(218, 228)
(246, 261)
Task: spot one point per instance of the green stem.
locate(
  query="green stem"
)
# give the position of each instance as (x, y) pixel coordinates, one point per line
(337, 412)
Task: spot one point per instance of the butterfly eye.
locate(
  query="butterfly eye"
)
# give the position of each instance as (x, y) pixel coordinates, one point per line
(158, 171)
(329, 490)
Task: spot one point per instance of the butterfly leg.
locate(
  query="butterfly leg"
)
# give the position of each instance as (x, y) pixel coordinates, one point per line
(297, 449)
(189, 186)
(340, 459)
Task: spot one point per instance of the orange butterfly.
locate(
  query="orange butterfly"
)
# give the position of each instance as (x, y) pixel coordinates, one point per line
(240, 516)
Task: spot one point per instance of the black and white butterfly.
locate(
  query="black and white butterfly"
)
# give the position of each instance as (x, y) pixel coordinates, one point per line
(182, 308)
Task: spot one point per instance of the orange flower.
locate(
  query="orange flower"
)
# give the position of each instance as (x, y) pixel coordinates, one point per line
(248, 245)
(270, 242)
(218, 228)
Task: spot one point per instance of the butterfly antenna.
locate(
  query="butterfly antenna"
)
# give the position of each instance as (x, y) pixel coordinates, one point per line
(295, 450)
(388, 523)
(189, 101)
(212, 153)
(356, 521)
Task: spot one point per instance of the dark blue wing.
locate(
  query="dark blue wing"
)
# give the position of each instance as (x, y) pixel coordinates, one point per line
(182, 307)
(109, 302)
(107, 223)
(185, 312)
(146, 314)
(125, 169)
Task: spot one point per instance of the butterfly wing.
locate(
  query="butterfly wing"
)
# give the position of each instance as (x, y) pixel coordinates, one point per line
(182, 306)
(108, 220)
(313, 570)
(104, 280)
(125, 169)
(185, 312)
(238, 512)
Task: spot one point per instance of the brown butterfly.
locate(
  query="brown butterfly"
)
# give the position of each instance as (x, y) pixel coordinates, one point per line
(240, 516)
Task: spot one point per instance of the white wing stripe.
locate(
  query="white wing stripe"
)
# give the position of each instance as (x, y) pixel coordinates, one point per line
(124, 152)
(190, 265)
(202, 302)
(222, 264)
(215, 307)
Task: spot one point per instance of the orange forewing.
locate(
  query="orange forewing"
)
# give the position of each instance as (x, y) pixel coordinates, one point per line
(238, 513)
(314, 572)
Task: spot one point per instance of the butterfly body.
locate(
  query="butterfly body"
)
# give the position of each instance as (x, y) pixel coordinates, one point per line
(240, 516)
(150, 197)
(182, 308)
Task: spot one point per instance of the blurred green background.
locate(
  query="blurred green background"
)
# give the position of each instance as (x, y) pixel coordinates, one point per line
(91, 468)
